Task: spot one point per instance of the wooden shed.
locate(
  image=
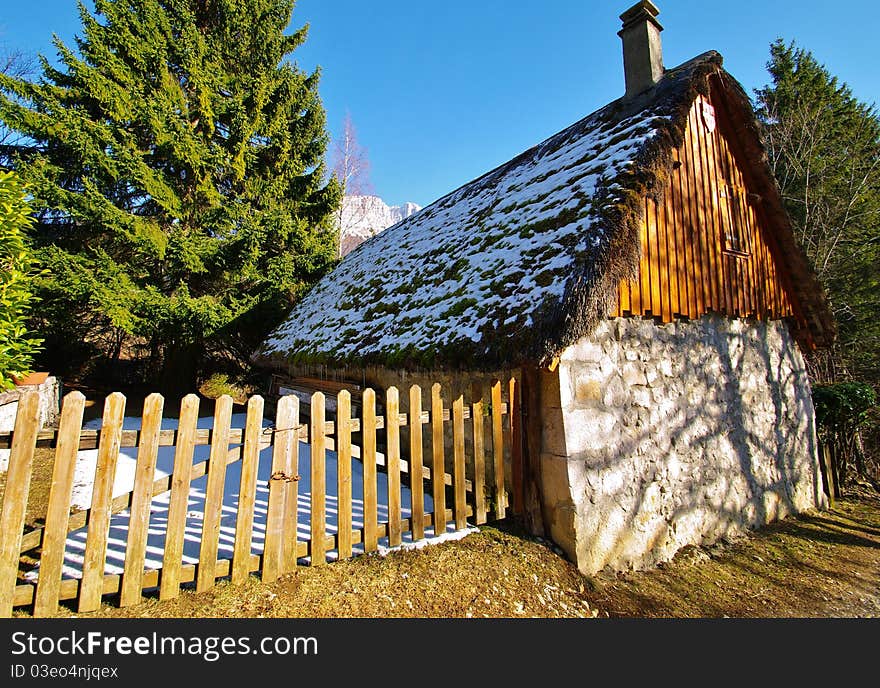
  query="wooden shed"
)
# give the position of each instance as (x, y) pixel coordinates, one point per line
(638, 272)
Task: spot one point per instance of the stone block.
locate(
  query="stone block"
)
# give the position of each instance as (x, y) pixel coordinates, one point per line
(634, 374)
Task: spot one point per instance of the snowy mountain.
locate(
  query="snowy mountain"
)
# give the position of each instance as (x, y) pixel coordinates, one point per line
(361, 217)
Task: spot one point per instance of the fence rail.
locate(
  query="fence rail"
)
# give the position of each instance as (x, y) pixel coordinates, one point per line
(476, 480)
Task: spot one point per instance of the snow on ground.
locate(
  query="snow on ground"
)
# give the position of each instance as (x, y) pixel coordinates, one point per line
(124, 481)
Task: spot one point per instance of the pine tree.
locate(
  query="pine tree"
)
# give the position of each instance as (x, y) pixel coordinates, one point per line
(176, 167)
(824, 146)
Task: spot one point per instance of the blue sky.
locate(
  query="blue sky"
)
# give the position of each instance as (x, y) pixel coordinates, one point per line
(441, 92)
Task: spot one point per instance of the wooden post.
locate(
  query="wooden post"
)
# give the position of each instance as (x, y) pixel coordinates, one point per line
(438, 463)
(514, 418)
(479, 460)
(368, 457)
(58, 511)
(92, 583)
(318, 443)
(392, 464)
(18, 481)
(827, 473)
(416, 468)
(184, 448)
(290, 521)
(286, 442)
(530, 446)
(139, 514)
(343, 472)
(247, 492)
(458, 467)
(214, 494)
(498, 452)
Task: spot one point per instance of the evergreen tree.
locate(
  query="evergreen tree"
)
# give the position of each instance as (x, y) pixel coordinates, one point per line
(824, 146)
(176, 165)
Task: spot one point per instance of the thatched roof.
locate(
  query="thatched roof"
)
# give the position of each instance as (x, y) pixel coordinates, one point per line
(520, 263)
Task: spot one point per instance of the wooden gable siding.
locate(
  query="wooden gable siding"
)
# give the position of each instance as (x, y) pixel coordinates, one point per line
(687, 266)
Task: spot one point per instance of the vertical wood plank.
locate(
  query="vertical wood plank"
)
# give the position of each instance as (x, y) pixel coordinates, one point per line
(479, 462)
(689, 219)
(645, 260)
(458, 469)
(343, 472)
(139, 514)
(664, 222)
(713, 229)
(172, 557)
(392, 464)
(438, 460)
(285, 444)
(416, 463)
(15, 496)
(247, 490)
(368, 434)
(290, 487)
(58, 510)
(623, 302)
(697, 302)
(498, 452)
(654, 259)
(214, 494)
(318, 444)
(674, 215)
(517, 469)
(92, 582)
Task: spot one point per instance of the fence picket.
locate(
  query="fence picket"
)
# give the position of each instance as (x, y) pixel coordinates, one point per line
(92, 583)
(514, 420)
(498, 451)
(290, 523)
(214, 494)
(438, 463)
(368, 456)
(392, 464)
(318, 519)
(458, 467)
(15, 496)
(416, 471)
(286, 443)
(247, 492)
(139, 515)
(179, 501)
(58, 510)
(479, 463)
(343, 472)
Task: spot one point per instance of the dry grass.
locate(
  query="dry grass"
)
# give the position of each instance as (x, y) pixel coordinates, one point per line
(818, 565)
(821, 564)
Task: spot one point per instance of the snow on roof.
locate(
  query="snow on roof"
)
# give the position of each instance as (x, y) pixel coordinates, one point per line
(483, 276)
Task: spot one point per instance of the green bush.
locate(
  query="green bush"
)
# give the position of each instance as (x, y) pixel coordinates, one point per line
(17, 270)
(842, 410)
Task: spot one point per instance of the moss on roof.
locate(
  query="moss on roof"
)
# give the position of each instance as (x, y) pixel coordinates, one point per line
(514, 266)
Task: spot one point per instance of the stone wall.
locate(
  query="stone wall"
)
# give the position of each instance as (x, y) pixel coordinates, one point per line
(656, 437)
(50, 403)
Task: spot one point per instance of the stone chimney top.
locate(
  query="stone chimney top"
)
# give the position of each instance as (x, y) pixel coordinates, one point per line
(642, 52)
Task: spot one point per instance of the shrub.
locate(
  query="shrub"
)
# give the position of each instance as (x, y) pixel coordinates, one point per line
(17, 270)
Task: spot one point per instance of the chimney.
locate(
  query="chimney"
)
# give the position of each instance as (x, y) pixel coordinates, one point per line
(642, 53)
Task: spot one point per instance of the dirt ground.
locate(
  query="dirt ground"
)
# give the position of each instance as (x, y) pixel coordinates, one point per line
(821, 564)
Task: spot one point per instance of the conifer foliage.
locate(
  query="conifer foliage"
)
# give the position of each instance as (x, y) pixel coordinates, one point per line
(175, 160)
(824, 146)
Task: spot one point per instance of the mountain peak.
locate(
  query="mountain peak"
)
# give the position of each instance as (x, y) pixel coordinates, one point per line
(361, 217)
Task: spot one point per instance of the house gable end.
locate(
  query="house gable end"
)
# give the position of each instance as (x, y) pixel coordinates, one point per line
(708, 243)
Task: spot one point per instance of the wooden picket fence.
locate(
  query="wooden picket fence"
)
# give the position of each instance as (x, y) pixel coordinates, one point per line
(472, 489)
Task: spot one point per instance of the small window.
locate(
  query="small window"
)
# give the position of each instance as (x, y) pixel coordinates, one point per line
(735, 210)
